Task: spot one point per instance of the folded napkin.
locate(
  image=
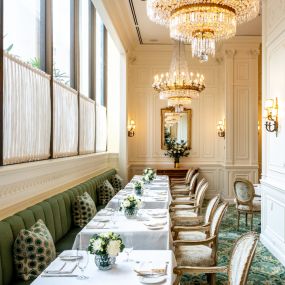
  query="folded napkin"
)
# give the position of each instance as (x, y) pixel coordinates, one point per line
(95, 225)
(151, 268)
(104, 213)
(157, 212)
(156, 223)
(60, 267)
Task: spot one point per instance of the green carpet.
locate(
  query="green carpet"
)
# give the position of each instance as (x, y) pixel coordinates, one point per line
(265, 269)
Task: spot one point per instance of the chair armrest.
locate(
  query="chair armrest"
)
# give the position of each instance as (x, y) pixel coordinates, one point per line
(194, 242)
(204, 227)
(179, 270)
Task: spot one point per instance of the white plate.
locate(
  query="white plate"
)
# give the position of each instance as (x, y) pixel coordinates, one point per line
(101, 220)
(155, 227)
(152, 280)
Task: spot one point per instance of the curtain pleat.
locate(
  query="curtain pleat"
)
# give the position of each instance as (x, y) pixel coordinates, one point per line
(87, 125)
(101, 128)
(27, 109)
(65, 121)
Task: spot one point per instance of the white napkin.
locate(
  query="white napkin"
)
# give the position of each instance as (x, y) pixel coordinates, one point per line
(151, 268)
(157, 212)
(60, 267)
(155, 223)
(95, 225)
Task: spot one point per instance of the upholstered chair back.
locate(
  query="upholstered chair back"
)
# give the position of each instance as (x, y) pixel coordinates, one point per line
(217, 218)
(193, 182)
(200, 197)
(244, 191)
(199, 185)
(189, 175)
(241, 258)
(211, 208)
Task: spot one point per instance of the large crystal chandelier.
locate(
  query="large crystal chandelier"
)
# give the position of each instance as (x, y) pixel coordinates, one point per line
(202, 22)
(179, 86)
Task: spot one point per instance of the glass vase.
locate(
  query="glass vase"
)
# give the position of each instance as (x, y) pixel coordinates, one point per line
(138, 191)
(104, 262)
(131, 213)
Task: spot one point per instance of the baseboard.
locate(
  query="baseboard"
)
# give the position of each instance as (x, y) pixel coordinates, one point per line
(272, 248)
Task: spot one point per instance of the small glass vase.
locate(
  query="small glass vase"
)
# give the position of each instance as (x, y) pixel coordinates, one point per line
(138, 191)
(104, 262)
(131, 213)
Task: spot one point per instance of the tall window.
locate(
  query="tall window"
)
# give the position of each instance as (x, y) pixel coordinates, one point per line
(24, 30)
(62, 41)
(100, 60)
(85, 22)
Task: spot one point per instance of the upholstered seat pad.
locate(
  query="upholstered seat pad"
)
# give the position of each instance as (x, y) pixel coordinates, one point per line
(256, 206)
(195, 235)
(194, 218)
(182, 199)
(198, 255)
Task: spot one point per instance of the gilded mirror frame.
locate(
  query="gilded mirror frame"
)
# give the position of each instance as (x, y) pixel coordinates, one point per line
(189, 125)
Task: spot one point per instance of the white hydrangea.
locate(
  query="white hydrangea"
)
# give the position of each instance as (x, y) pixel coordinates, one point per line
(126, 203)
(113, 247)
(97, 245)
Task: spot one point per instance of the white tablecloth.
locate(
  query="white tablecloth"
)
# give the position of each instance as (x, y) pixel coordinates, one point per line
(142, 237)
(121, 274)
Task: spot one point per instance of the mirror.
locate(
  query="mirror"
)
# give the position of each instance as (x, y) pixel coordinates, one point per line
(176, 125)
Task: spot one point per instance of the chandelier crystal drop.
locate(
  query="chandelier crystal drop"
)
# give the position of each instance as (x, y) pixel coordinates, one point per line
(179, 86)
(202, 22)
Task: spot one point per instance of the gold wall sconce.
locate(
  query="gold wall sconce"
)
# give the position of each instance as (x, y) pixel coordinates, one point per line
(131, 128)
(221, 129)
(270, 115)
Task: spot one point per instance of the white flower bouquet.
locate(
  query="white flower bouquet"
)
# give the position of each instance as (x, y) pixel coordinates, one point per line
(106, 244)
(130, 206)
(139, 187)
(148, 174)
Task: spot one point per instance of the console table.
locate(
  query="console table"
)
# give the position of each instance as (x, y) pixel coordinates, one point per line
(173, 172)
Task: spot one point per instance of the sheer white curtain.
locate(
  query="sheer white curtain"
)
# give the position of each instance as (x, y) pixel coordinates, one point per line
(27, 109)
(65, 121)
(87, 125)
(101, 128)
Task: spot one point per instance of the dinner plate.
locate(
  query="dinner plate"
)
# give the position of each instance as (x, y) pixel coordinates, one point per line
(101, 220)
(160, 227)
(152, 280)
(159, 216)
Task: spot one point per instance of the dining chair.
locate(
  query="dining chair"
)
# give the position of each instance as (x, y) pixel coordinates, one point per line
(246, 202)
(182, 189)
(239, 264)
(186, 179)
(200, 253)
(184, 212)
(198, 230)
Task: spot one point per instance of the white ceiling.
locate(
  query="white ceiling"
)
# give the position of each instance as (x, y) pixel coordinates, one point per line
(152, 33)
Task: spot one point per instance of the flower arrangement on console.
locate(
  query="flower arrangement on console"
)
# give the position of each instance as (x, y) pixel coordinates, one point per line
(130, 206)
(148, 175)
(139, 188)
(105, 246)
(176, 150)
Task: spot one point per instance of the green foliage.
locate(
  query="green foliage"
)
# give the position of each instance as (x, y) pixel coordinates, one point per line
(176, 149)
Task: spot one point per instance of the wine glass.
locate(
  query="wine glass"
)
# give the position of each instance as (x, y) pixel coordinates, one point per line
(82, 262)
(128, 246)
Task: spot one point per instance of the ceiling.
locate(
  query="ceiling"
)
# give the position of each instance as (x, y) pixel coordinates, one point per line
(148, 32)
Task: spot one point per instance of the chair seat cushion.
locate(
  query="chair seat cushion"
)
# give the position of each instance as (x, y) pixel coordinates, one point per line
(197, 255)
(192, 218)
(256, 206)
(195, 235)
(182, 199)
(34, 250)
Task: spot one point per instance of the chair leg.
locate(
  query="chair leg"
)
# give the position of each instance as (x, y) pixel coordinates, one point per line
(177, 280)
(238, 213)
(212, 279)
(246, 219)
(251, 221)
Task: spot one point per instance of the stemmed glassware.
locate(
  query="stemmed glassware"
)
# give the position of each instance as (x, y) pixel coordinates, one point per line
(82, 262)
(129, 246)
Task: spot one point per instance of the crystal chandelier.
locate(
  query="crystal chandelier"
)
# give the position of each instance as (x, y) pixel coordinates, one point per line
(179, 86)
(202, 22)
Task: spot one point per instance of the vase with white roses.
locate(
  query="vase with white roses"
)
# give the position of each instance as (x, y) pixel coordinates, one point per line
(105, 246)
(148, 175)
(130, 206)
(139, 188)
(176, 150)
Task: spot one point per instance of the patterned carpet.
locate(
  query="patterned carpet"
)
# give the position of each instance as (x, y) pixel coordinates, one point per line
(265, 269)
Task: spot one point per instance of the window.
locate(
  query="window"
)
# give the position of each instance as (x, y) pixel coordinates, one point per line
(85, 22)
(24, 30)
(100, 61)
(62, 41)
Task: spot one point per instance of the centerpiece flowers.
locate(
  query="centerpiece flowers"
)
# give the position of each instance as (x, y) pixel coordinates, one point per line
(105, 246)
(176, 150)
(130, 206)
(139, 188)
(148, 175)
